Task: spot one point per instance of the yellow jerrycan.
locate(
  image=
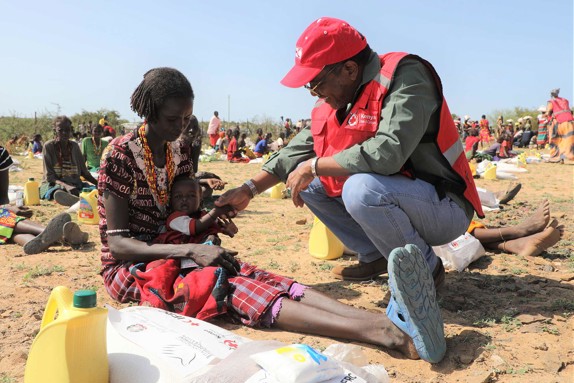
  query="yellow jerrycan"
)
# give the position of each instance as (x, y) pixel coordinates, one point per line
(277, 191)
(31, 192)
(88, 211)
(490, 172)
(323, 244)
(70, 348)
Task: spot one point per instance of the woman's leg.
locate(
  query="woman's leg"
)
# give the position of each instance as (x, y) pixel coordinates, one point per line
(28, 227)
(371, 328)
(531, 245)
(531, 225)
(321, 301)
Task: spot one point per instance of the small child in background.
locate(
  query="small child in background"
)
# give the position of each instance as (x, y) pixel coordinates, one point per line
(188, 222)
(471, 143)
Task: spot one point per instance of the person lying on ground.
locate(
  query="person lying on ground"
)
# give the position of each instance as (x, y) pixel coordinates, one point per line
(136, 177)
(16, 226)
(531, 237)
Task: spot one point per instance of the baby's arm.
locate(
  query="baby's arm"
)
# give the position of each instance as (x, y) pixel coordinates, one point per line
(215, 216)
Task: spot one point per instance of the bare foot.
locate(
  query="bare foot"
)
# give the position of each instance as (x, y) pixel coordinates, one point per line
(390, 336)
(535, 244)
(536, 222)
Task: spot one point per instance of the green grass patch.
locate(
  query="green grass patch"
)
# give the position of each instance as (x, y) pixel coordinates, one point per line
(509, 323)
(40, 271)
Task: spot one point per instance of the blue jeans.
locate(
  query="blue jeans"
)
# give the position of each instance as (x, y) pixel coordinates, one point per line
(377, 214)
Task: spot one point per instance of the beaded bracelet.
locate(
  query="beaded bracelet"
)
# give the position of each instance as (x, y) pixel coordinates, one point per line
(117, 231)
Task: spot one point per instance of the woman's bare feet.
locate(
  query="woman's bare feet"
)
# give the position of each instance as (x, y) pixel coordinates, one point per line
(535, 244)
(536, 222)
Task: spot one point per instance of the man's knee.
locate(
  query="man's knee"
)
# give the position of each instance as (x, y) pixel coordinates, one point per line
(360, 192)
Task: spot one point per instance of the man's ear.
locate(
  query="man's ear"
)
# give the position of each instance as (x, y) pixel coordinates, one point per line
(351, 70)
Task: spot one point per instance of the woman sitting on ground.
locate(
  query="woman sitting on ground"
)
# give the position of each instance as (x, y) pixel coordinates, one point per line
(64, 165)
(471, 143)
(34, 237)
(93, 147)
(136, 175)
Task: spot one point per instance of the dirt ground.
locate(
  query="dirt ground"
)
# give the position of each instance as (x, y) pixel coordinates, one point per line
(507, 318)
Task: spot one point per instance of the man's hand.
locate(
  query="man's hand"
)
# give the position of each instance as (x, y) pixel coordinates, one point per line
(298, 180)
(238, 198)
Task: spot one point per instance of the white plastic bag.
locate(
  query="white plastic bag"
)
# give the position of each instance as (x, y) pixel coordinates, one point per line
(347, 352)
(298, 363)
(460, 253)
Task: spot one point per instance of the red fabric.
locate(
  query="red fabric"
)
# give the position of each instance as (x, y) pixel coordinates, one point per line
(213, 139)
(176, 237)
(484, 134)
(483, 123)
(561, 110)
(251, 294)
(109, 130)
(200, 294)
(231, 148)
(330, 137)
(469, 142)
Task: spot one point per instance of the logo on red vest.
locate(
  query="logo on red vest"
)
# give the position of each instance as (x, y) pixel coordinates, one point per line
(362, 119)
(353, 120)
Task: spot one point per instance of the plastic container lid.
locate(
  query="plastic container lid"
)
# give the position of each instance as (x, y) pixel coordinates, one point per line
(85, 299)
(86, 190)
(31, 179)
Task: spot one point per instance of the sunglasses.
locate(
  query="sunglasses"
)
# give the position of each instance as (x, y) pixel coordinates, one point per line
(313, 90)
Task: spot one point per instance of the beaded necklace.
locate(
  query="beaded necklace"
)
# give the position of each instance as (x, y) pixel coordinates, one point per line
(97, 148)
(161, 196)
(63, 154)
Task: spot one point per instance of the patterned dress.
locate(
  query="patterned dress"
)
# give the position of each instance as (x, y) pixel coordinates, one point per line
(122, 173)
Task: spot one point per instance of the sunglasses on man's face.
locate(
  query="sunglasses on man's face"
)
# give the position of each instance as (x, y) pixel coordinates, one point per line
(314, 89)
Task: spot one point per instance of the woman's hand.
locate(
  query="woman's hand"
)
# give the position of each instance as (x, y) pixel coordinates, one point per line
(23, 211)
(206, 255)
(298, 180)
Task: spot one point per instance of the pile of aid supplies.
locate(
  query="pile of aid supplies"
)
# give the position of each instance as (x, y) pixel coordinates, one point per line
(81, 342)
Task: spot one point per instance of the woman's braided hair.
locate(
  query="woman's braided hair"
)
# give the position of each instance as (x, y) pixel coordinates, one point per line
(157, 85)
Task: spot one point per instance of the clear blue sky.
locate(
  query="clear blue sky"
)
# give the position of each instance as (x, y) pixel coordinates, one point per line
(87, 55)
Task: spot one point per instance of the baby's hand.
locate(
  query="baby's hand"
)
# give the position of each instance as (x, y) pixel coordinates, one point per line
(227, 227)
(224, 212)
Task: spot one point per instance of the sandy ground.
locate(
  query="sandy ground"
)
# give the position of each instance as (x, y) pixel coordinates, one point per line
(507, 318)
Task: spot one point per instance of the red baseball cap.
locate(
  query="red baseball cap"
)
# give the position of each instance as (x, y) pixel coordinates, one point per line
(326, 41)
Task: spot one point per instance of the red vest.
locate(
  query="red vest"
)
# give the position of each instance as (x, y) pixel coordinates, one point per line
(362, 123)
(561, 110)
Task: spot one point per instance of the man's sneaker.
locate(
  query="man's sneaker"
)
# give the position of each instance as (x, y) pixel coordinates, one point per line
(438, 276)
(65, 198)
(362, 271)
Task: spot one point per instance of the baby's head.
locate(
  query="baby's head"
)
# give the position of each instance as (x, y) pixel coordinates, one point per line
(185, 195)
